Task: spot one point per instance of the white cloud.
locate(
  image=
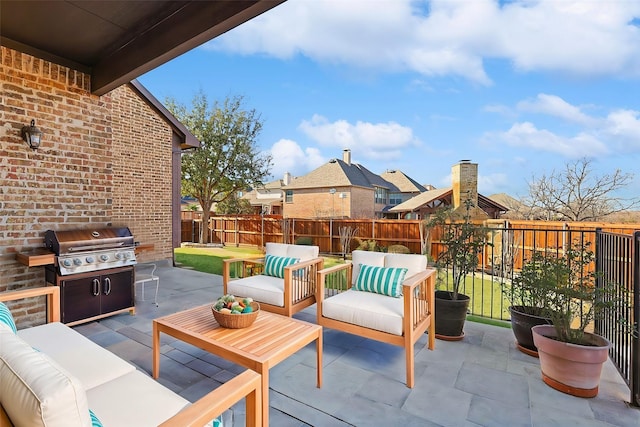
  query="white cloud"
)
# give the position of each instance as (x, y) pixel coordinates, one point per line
(368, 140)
(623, 127)
(526, 135)
(618, 131)
(555, 106)
(288, 156)
(449, 37)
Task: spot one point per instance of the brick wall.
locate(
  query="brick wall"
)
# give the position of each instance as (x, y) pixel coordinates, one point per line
(141, 173)
(94, 167)
(319, 203)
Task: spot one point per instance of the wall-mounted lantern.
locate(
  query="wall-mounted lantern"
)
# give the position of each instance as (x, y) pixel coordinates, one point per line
(32, 135)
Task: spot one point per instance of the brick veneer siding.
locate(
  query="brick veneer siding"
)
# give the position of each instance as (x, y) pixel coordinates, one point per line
(142, 193)
(319, 203)
(87, 173)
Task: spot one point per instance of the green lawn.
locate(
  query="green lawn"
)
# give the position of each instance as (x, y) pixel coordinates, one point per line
(487, 299)
(209, 260)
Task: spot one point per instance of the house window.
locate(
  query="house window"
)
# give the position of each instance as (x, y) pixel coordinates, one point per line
(395, 198)
(288, 196)
(381, 195)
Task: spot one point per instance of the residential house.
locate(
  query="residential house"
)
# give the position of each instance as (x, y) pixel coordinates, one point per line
(406, 186)
(110, 153)
(342, 189)
(464, 186)
(267, 200)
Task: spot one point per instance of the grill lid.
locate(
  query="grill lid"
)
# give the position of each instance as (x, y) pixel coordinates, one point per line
(87, 240)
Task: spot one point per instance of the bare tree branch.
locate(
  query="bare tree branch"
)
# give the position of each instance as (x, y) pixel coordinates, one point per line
(576, 194)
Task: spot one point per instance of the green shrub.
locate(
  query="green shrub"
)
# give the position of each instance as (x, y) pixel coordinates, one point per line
(370, 245)
(304, 240)
(398, 249)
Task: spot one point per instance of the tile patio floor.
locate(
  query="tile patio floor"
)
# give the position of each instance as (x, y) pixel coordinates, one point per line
(480, 381)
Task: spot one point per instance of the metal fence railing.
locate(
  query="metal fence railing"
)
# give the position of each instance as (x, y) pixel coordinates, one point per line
(617, 260)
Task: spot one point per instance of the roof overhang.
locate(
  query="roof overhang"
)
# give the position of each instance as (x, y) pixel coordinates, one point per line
(117, 41)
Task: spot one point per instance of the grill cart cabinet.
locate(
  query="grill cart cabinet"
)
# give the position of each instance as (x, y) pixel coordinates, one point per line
(93, 295)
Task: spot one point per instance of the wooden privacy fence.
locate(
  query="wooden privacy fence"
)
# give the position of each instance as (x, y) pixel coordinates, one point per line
(509, 238)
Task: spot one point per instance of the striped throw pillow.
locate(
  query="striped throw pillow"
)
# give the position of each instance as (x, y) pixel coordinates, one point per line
(274, 265)
(6, 318)
(381, 280)
(95, 421)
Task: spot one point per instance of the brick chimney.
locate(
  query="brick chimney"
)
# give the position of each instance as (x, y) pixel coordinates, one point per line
(464, 180)
(346, 156)
(287, 178)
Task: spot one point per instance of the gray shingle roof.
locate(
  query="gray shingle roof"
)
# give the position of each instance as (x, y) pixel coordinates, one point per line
(404, 183)
(333, 173)
(421, 199)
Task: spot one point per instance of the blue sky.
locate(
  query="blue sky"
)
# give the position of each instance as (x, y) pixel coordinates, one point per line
(520, 87)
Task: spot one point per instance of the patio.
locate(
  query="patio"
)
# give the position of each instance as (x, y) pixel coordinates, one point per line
(482, 381)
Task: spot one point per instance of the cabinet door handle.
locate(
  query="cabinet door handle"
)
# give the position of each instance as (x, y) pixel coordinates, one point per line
(107, 286)
(96, 287)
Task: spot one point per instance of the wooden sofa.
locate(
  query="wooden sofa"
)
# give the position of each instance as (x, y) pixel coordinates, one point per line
(69, 374)
(400, 321)
(286, 295)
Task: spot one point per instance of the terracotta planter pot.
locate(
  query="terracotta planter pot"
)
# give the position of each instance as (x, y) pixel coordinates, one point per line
(522, 320)
(450, 316)
(570, 368)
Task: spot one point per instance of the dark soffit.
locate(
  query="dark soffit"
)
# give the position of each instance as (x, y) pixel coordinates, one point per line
(117, 41)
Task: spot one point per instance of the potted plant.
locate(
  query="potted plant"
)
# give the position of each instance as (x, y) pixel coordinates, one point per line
(463, 242)
(571, 357)
(528, 294)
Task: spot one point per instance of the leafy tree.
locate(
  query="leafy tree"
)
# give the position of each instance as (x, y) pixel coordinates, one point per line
(234, 205)
(576, 194)
(228, 159)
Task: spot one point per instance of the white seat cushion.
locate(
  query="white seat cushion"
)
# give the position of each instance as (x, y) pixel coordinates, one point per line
(134, 399)
(261, 288)
(36, 391)
(76, 353)
(367, 309)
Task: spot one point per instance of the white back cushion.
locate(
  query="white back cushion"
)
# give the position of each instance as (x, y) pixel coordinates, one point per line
(375, 259)
(36, 391)
(277, 249)
(303, 252)
(413, 263)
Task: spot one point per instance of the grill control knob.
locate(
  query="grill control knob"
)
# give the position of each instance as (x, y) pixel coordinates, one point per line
(89, 260)
(119, 255)
(66, 263)
(104, 257)
(127, 255)
(77, 261)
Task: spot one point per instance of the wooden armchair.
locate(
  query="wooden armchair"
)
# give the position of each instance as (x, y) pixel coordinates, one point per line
(399, 321)
(285, 292)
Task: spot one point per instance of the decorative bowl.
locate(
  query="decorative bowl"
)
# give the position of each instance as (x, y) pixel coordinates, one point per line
(237, 321)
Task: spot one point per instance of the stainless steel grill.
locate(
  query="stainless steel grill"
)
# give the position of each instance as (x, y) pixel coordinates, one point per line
(82, 251)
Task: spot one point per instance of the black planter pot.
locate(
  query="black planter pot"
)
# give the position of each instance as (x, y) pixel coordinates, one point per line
(450, 315)
(522, 320)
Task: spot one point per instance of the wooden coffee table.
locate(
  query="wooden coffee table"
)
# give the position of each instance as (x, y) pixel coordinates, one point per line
(268, 341)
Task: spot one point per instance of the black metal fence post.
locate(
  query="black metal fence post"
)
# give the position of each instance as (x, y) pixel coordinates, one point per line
(634, 386)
